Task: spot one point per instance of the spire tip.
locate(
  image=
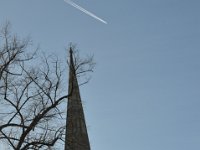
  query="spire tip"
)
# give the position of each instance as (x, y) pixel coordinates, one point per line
(70, 50)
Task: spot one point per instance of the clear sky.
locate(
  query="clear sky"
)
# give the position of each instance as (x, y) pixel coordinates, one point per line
(145, 91)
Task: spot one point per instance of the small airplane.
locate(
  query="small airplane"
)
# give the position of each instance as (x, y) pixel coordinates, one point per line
(85, 11)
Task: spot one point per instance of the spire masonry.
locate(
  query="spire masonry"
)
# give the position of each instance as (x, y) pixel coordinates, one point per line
(76, 137)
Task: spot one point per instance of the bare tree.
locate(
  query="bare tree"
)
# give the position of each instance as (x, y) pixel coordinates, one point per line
(32, 115)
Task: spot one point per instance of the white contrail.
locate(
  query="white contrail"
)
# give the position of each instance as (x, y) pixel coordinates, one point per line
(84, 10)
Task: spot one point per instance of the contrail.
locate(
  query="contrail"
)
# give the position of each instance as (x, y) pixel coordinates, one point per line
(84, 10)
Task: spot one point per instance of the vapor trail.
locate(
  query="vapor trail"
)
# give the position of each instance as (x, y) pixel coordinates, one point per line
(85, 11)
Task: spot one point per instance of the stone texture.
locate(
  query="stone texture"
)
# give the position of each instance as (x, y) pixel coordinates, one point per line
(76, 131)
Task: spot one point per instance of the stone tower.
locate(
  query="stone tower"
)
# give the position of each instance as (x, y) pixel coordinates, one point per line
(76, 137)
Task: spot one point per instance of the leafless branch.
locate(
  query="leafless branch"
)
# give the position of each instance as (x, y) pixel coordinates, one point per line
(31, 96)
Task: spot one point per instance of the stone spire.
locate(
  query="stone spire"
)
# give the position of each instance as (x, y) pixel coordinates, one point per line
(76, 132)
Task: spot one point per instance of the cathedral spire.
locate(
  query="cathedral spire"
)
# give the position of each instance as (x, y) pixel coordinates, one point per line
(76, 137)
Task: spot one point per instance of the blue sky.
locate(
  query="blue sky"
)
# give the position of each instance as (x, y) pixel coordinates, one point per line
(145, 91)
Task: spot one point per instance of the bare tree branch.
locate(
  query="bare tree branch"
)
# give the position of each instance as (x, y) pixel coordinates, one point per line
(32, 96)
